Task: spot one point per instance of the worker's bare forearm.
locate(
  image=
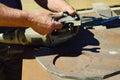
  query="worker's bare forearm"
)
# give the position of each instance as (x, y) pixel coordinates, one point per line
(41, 22)
(12, 17)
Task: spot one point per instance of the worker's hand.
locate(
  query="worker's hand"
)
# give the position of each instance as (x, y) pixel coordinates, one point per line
(43, 22)
(60, 6)
(56, 5)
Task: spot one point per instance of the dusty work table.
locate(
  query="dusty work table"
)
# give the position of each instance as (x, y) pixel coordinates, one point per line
(89, 56)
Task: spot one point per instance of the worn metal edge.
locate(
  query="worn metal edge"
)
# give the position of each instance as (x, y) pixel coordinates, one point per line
(61, 75)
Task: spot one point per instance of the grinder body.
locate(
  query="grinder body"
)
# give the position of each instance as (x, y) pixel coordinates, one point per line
(30, 37)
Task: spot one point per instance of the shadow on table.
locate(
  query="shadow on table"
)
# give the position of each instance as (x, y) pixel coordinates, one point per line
(72, 47)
